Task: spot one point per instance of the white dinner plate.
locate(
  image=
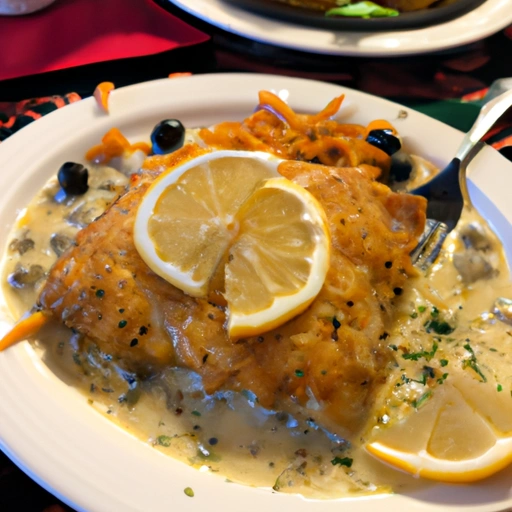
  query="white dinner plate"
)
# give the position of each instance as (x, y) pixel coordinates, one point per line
(481, 22)
(48, 428)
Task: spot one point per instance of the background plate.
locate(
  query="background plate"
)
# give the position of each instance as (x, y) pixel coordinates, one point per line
(484, 20)
(309, 17)
(48, 428)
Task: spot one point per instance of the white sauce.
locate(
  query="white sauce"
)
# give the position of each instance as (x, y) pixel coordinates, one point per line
(229, 433)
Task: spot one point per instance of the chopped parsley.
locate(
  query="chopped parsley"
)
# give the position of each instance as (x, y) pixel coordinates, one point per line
(443, 362)
(439, 327)
(189, 492)
(421, 400)
(422, 309)
(499, 387)
(299, 373)
(471, 362)
(442, 378)
(100, 293)
(342, 461)
(428, 355)
(122, 324)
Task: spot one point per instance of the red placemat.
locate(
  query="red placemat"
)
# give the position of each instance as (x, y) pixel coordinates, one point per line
(72, 33)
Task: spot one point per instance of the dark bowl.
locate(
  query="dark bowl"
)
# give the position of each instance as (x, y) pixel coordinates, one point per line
(407, 20)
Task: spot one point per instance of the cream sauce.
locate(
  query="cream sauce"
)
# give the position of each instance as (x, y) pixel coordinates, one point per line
(229, 433)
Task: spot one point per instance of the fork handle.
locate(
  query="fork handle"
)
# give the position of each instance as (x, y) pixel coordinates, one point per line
(489, 114)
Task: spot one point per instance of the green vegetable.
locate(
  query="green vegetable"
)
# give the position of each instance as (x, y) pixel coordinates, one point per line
(342, 461)
(364, 9)
(189, 492)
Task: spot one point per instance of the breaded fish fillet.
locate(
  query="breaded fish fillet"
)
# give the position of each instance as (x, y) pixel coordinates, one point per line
(335, 352)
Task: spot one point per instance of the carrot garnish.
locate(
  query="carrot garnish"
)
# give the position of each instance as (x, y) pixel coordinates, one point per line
(24, 329)
(380, 124)
(329, 111)
(179, 75)
(102, 93)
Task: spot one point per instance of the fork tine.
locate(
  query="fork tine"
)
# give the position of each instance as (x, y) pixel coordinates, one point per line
(430, 244)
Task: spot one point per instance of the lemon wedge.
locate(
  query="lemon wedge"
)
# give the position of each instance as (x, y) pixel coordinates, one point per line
(463, 433)
(231, 210)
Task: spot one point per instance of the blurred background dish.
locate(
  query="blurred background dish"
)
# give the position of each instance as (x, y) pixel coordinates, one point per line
(484, 20)
(296, 11)
(17, 7)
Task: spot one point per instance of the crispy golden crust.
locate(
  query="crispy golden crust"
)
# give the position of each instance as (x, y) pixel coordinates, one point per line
(103, 289)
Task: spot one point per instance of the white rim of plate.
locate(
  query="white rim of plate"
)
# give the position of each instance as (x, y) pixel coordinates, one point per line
(50, 431)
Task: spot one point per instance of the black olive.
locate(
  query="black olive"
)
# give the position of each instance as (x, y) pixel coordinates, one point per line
(167, 136)
(385, 140)
(401, 166)
(73, 178)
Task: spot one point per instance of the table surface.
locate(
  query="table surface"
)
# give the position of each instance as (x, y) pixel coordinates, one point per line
(447, 86)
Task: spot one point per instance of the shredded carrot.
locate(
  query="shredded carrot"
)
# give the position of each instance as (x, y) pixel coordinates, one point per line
(179, 75)
(102, 93)
(142, 146)
(24, 329)
(114, 144)
(380, 124)
(329, 111)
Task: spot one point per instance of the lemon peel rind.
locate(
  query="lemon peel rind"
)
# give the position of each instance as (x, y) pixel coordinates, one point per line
(251, 325)
(148, 253)
(424, 465)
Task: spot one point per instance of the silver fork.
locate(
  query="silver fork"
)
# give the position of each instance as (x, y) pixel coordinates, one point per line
(447, 193)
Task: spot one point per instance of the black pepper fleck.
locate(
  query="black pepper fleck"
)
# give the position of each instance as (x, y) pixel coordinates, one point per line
(388, 264)
(100, 293)
(122, 323)
(134, 342)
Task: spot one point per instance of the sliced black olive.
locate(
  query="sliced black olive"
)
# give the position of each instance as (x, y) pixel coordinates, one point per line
(167, 136)
(73, 178)
(401, 166)
(385, 140)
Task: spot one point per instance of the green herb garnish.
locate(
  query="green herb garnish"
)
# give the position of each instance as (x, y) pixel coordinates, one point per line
(421, 400)
(342, 461)
(439, 327)
(428, 355)
(471, 362)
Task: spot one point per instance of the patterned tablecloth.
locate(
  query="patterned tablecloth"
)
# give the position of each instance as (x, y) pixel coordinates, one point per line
(448, 86)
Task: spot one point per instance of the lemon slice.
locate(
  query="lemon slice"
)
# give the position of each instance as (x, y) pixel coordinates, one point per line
(279, 259)
(232, 210)
(462, 434)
